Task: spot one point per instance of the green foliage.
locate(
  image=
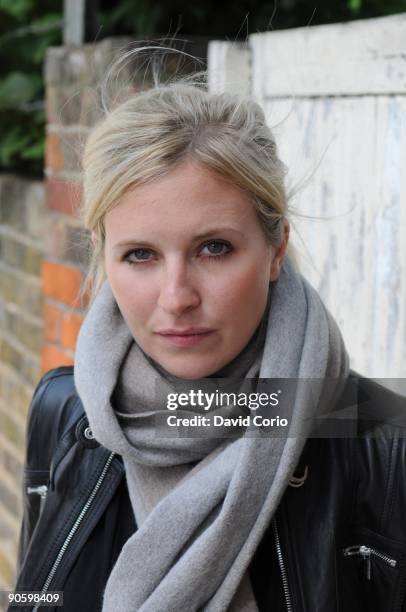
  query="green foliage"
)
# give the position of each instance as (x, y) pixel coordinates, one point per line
(19, 9)
(27, 29)
(354, 5)
(142, 17)
(17, 89)
(230, 19)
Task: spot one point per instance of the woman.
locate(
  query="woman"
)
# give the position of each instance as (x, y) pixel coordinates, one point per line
(184, 198)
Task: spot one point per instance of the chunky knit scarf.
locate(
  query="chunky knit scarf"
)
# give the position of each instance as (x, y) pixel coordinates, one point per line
(203, 501)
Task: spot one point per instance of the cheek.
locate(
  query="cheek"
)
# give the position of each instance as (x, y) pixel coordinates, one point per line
(135, 296)
(242, 296)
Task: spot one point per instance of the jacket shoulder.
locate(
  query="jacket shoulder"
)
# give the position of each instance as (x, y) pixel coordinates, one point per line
(380, 406)
(54, 408)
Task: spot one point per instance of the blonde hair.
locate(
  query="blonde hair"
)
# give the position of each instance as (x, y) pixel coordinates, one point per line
(145, 136)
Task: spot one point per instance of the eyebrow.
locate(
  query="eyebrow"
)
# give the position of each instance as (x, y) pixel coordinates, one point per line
(207, 234)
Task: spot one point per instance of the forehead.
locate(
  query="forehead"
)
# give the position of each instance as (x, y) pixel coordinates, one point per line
(188, 197)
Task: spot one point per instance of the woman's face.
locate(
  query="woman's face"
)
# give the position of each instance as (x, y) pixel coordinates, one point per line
(189, 267)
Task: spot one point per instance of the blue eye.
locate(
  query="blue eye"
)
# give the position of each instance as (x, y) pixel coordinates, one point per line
(218, 248)
(137, 256)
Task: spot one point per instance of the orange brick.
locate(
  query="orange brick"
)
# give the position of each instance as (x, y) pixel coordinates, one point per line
(53, 357)
(53, 152)
(70, 329)
(63, 196)
(53, 319)
(61, 283)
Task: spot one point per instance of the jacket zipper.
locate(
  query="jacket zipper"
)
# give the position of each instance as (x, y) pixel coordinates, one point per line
(282, 567)
(74, 528)
(366, 553)
(40, 490)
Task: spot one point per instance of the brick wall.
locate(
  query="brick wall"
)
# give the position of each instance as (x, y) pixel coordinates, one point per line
(43, 260)
(71, 108)
(22, 230)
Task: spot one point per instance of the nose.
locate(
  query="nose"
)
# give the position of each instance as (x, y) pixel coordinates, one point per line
(178, 293)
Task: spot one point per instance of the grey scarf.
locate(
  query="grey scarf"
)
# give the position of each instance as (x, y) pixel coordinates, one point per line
(202, 503)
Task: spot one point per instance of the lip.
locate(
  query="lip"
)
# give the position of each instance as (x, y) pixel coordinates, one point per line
(185, 337)
(190, 331)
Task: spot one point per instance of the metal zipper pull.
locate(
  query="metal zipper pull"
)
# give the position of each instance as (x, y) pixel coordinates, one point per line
(41, 490)
(366, 553)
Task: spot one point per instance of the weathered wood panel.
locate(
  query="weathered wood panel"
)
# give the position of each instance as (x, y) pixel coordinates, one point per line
(229, 67)
(352, 152)
(359, 57)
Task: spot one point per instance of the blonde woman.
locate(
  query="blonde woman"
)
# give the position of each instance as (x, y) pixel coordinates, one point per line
(184, 200)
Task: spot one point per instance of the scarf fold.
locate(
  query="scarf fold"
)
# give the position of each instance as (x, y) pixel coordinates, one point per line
(203, 502)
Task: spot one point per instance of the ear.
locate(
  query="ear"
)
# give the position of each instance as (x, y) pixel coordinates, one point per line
(94, 237)
(280, 252)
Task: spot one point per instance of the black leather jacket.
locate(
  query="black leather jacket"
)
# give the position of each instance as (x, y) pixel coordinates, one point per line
(336, 544)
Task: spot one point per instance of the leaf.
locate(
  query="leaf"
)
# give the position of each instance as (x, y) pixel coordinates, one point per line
(11, 143)
(17, 88)
(354, 5)
(19, 9)
(35, 151)
(53, 20)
